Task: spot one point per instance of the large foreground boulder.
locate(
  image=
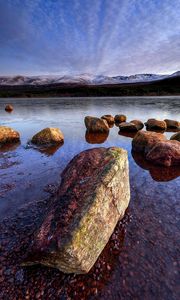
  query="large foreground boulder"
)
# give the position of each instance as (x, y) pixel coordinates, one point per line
(145, 140)
(176, 137)
(94, 124)
(93, 196)
(172, 124)
(8, 135)
(153, 124)
(166, 153)
(48, 136)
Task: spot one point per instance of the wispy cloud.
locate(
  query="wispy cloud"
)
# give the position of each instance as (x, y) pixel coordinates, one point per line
(97, 36)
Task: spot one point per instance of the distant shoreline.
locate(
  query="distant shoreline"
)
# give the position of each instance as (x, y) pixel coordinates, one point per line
(164, 87)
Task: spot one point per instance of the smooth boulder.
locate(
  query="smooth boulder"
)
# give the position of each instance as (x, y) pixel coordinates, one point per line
(127, 126)
(8, 135)
(153, 124)
(166, 153)
(145, 140)
(48, 136)
(94, 124)
(120, 118)
(9, 108)
(93, 195)
(108, 118)
(176, 137)
(139, 125)
(172, 124)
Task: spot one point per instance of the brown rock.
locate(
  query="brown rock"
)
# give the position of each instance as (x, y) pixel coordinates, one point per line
(8, 108)
(153, 124)
(176, 136)
(127, 126)
(94, 124)
(172, 124)
(8, 135)
(96, 137)
(48, 136)
(144, 140)
(166, 153)
(138, 123)
(109, 119)
(93, 195)
(120, 118)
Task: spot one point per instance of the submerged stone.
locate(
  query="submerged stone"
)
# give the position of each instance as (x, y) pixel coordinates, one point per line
(93, 195)
(8, 135)
(48, 136)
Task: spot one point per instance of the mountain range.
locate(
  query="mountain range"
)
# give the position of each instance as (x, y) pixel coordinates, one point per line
(82, 79)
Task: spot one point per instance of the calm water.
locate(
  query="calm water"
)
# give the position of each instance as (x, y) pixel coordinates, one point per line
(140, 261)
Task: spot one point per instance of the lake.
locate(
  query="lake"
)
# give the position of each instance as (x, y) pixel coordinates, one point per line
(140, 260)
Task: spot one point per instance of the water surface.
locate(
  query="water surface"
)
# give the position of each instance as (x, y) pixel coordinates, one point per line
(140, 260)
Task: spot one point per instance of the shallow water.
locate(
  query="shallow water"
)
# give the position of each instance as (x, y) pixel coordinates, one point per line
(140, 260)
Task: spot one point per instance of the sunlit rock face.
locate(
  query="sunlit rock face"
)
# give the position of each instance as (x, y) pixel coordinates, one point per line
(94, 124)
(48, 136)
(93, 195)
(8, 135)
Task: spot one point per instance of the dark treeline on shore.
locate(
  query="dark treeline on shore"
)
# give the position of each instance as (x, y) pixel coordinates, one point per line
(169, 86)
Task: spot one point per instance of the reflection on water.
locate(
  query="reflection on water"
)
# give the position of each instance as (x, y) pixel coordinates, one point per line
(140, 260)
(157, 172)
(96, 138)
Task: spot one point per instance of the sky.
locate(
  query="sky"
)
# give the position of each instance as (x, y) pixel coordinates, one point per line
(110, 37)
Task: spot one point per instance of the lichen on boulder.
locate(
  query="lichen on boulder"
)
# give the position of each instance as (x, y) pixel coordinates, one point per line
(48, 136)
(93, 195)
(8, 135)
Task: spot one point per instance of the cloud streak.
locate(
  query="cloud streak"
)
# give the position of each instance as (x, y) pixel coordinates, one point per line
(96, 36)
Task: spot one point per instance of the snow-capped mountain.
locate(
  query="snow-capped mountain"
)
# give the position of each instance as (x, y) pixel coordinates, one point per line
(83, 79)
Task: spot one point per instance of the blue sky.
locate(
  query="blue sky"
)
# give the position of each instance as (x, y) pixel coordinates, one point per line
(112, 37)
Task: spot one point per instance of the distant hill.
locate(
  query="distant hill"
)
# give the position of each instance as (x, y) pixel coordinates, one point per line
(169, 85)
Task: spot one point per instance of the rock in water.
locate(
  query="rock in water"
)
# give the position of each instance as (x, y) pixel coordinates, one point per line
(127, 126)
(120, 118)
(172, 124)
(138, 123)
(93, 195)
(176, 136)
(145, 140)
(94, 124)
(108, 118)
(8, 135)
(153, 124)
(48, 136)
(8, 108)
(166, 153)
